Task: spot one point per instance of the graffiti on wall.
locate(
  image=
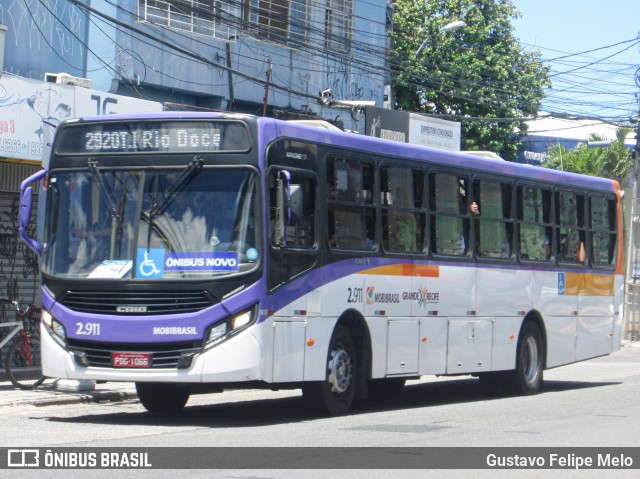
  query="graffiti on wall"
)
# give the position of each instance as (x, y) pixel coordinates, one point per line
(53, 32)
(341, 80)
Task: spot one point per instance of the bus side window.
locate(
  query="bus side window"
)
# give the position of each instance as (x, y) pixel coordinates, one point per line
(602, 234)
(449, 214)
(535, 231)
(300, 223)
(351, 212)
(570, 212)
(493, 221)
(403, 219)
(301, 229)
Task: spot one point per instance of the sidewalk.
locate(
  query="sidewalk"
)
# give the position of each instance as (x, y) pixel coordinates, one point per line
(53, 393)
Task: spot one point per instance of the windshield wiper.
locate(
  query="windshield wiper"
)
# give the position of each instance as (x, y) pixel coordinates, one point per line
(178, 185)
(154, 195)
(104, 187)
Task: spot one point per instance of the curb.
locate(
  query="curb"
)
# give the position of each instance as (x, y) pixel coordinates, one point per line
(49, 396)
(99, 397)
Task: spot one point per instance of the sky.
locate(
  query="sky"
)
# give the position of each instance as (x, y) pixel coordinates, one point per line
(590, 84)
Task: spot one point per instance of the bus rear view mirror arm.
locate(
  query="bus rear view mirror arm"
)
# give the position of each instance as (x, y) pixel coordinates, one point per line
(24, 214)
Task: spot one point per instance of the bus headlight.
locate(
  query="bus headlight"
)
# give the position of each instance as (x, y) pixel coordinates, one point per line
(230, 326)
(56, 327)
(241, 320)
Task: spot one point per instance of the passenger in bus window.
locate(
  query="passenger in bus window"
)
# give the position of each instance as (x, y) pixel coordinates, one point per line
(581, 253)
(547, 246)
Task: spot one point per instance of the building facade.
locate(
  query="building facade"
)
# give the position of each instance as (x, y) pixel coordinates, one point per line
(249, 56)
(324, 59)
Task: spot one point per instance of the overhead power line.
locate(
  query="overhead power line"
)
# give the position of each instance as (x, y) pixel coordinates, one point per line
(367, 56)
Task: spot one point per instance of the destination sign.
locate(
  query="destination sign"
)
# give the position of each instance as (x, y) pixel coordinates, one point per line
(144, 137)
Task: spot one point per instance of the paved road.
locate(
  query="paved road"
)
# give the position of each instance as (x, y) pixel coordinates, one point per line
(589, 404)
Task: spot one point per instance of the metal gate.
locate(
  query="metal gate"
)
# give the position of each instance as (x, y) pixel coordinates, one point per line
(19, 268)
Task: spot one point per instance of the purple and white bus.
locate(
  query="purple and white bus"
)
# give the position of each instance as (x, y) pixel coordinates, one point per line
(190, 252)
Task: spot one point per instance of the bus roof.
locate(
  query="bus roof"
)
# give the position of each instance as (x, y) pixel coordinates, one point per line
(442, 157)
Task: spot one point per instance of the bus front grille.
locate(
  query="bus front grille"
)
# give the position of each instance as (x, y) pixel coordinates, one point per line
(138, 303)
(162, 355)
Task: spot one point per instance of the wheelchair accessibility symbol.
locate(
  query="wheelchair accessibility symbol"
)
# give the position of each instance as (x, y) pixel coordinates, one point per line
(562, 284)
(150, 263)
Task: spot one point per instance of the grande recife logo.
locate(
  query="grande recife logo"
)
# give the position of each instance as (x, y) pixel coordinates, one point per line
(370, 292)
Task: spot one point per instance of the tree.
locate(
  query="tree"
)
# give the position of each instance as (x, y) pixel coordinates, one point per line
(613, 161)
(479, 75)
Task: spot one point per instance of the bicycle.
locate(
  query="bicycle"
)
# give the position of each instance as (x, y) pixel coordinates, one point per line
(22, 363)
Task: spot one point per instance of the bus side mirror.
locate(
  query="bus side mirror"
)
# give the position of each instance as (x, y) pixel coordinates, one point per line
(283, 207)
(24, 214)
(25, 207)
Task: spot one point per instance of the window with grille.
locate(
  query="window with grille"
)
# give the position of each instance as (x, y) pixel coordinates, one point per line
(212, 18)
(337, 25)
(283, 20)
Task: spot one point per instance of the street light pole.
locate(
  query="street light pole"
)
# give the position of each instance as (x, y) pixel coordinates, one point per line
(449, 27)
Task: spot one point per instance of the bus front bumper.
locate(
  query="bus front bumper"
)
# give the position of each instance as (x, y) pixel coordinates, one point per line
(238, 359)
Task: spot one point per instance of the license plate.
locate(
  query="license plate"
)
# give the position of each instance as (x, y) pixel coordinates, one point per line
(131, 360)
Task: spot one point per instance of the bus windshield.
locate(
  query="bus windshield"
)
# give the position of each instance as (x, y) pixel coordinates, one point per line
(190, 222)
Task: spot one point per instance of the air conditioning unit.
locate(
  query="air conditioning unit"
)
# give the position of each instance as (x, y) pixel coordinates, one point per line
(66, 79)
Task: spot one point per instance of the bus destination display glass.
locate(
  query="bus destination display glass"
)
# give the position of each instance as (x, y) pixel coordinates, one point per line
(160, 137)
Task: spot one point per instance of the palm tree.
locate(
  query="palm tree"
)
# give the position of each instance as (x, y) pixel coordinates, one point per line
(613, 161)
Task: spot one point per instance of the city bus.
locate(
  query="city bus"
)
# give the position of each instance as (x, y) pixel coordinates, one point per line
(192, 252)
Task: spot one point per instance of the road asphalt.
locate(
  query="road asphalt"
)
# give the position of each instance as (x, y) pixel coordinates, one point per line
(64, 391)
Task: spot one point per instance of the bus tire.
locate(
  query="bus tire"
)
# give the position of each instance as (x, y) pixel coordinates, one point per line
(334, 395)
(527, 378)
(163, 398)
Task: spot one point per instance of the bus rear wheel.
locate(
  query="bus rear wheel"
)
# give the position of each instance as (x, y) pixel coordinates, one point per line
(527, 378)
(163, 398)
(335, 394)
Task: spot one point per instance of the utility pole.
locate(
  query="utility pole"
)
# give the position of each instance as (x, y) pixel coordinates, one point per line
(230, 77)
(266, 90)
(632, 277)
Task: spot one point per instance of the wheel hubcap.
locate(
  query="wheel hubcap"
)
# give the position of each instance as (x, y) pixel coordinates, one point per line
(340, 370)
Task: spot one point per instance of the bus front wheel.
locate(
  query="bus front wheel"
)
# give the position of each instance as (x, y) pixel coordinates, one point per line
(163, 397)
(335, 394)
